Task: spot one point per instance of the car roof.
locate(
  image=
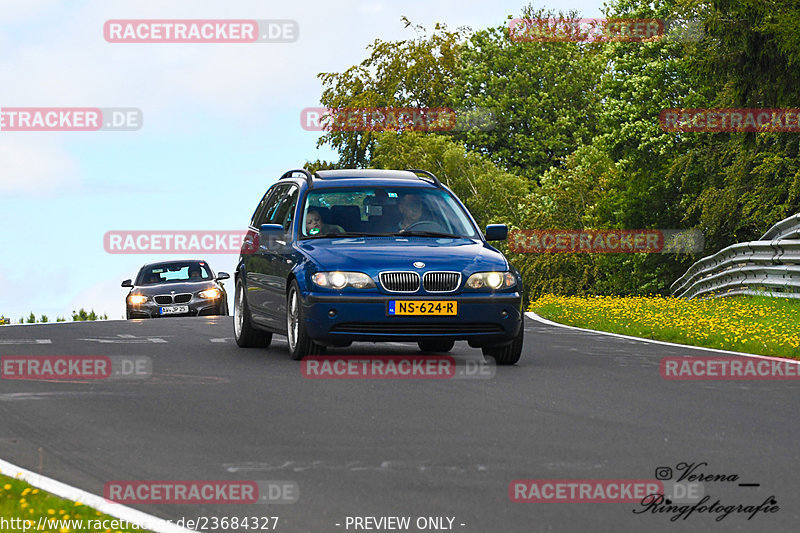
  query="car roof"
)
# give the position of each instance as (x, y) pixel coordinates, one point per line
(367, 173)
(363, 177)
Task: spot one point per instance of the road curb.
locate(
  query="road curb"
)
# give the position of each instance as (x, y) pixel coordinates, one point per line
(534, 316)
(62, 490)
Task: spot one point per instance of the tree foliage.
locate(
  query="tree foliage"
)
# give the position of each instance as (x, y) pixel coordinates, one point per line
(577, 141)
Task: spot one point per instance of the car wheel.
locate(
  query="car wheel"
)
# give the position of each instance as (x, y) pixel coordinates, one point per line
(436, 345)
(128, 315)
(244, 333)
(300, 344)
(509, 354)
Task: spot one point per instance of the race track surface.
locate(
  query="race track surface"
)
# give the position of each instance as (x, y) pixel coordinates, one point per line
(577, 406)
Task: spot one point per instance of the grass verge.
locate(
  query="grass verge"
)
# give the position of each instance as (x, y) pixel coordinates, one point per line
(752, 324)
(18, 500)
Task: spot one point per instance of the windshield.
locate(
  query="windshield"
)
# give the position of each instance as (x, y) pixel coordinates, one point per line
(177, 271)
(377, 211)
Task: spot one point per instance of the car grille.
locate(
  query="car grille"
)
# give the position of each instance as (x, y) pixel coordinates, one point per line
(178, 299)
(445, 329)
(441, 281)
(400, 281)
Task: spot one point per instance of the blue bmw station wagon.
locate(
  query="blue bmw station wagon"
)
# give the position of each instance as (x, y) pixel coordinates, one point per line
(374, 255)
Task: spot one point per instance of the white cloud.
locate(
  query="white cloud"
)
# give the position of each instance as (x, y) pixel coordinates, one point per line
(14, 10)
(34, 164)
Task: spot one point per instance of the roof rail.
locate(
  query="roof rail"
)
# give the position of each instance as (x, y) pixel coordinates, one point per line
(290, 173)
(430, 175)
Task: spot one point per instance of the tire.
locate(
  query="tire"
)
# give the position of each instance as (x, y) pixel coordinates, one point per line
(436, 345)
(509, 354)
(244, 333)
(128, 315)
(300, 344)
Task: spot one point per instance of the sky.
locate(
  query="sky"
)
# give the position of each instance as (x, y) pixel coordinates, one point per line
(221, 122)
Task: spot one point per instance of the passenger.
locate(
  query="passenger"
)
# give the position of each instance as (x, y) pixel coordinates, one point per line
(314, 225)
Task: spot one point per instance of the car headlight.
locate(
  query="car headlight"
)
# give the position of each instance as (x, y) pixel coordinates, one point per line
(137, 299)
(491, 280)
(340, 280)
(209, 293)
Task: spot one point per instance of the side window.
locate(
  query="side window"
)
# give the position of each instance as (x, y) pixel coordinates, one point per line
(258, 213)
(271, 203)
(283, 214)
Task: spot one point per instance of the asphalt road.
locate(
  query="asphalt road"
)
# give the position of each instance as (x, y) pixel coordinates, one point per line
(577, 406)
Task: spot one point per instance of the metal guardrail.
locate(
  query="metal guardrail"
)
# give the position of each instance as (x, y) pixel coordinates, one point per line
(788, 228)
(770, 266)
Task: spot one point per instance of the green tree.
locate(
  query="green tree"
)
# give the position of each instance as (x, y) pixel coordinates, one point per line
(320, 165)
(82, 315)
(31, 319)
(417, 72)
(736, 185)
(492, 195)
(543, 96)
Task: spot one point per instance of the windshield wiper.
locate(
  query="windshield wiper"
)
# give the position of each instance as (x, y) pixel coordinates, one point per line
(404, 233)
(345, 234)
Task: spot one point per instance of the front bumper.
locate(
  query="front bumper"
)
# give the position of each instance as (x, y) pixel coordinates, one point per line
(196, 308)
(483, 319)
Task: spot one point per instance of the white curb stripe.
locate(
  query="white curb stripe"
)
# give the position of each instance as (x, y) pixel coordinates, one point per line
(538, 318)
(61, 323)
(62, 490)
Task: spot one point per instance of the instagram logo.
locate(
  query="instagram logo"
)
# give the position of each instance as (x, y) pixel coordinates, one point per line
(663, 473)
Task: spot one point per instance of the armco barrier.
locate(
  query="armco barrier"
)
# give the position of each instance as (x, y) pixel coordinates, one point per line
(769, 266)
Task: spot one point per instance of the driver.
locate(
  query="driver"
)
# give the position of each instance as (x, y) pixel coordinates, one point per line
(412, 210)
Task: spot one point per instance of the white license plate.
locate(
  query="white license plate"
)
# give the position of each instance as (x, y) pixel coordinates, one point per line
(175, 310)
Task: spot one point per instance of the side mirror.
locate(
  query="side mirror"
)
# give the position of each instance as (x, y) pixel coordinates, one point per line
(496, 232)
(127, 283)
(270, 234)
(223, 275)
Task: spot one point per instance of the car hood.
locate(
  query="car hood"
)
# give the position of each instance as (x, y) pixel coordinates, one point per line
(377, 254)
(179, 288)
